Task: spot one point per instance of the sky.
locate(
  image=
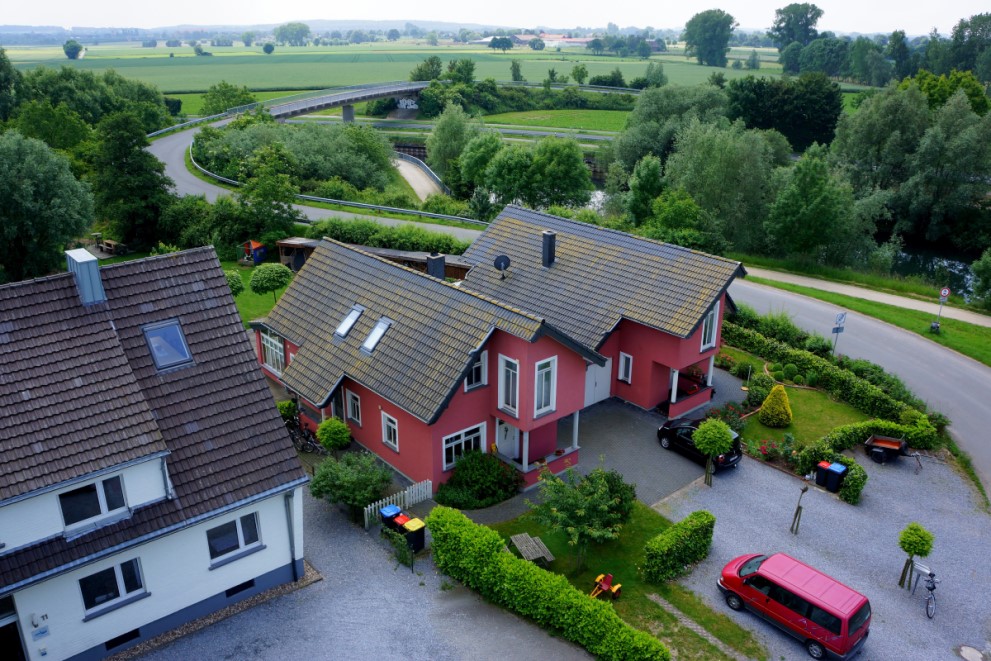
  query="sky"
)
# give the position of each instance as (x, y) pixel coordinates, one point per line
(864, 16)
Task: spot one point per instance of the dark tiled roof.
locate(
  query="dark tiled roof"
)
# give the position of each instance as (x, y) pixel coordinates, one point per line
(216, 416)
(422, 356)
(600, 276)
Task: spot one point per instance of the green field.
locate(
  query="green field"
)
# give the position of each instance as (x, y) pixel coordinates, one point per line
(588, 120)
(319, 66)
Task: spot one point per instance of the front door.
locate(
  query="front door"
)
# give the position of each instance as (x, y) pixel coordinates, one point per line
(597, 382)
(10, 640)
(507, 439)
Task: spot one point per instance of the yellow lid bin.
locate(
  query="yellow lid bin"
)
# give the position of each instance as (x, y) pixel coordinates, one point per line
(413, 524)
(415, 534)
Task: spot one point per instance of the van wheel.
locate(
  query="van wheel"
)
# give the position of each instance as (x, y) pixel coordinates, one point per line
(733, 601)
(816, 651)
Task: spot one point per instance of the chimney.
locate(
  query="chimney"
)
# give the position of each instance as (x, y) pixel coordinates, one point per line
(86, 269)
(435, 265)
(549, 247)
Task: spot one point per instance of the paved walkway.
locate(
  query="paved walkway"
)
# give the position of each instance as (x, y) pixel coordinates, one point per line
(418, 179)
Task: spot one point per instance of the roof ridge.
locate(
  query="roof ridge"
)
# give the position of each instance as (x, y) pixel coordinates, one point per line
(162, 256)
(470, 292)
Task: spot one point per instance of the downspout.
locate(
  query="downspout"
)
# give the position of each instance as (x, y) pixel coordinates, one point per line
(292, 534)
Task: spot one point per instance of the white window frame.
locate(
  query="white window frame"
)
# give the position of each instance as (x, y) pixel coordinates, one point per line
(458, 438)
(505, 388)
(123, 596)
(483, 364)
(105, 512)
(709, 327)
(349, 398)
(273, 351)
(375, 335)
(624, 371)
(388, 422)
(163, 364)
(243, 548)
(349, 321)
(541, 368)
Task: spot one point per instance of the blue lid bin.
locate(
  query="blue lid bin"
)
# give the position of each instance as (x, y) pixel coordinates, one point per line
(388, 514)
(834, 477)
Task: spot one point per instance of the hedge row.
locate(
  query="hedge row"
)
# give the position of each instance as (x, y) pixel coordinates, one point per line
(839, 383)
(474, 555)
(687, 542)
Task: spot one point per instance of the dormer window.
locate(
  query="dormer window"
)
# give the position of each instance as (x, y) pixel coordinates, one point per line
(349, 321)
(92, 501)
(373, 338)
(167, 344)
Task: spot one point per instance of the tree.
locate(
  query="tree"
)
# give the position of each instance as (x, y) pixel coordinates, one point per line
(292, 34)
(580, 73)
(72, 49)
(775, 412)
(939, 89)
(970, 39)
(334, 434)
(42, 207)
(461, 71)
(393, 35)
(644, 50)
(357, 479)
(235, 282)
(916, 541)
(712, 438)
(558, 174)
(268, 48)
(611, 79)
(60, 128)
(753, 61)
(655, 76)
(645, 186)
(982, 278)
(516, 71)
(270, 278)
(477, 155)
(790, 57)
(452, 131)
(501, 43)
(506, 176)
(10, 80)
(829, 56)
(430, 69)
(707, 37)
(248, 38)
(586, 509)
(266, 197)
(223, 95)
(900, 54)
(537, 44)
(795, 23)
(432, 39)
(129, 184)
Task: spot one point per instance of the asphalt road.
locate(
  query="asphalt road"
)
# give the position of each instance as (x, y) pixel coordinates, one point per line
(949, 382)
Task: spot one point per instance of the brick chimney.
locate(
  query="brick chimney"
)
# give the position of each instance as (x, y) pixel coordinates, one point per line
(86, 270)
(548, 251)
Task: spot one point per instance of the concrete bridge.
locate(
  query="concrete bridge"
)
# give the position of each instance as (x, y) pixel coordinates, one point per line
(344, 98)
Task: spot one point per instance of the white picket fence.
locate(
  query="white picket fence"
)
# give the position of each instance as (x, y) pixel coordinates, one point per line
(411, 495)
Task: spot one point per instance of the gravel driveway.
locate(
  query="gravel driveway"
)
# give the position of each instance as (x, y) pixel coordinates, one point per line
(859, 546)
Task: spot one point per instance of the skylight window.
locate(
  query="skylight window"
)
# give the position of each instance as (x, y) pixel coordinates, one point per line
(373, 338)
(167, 344)
(349, 321)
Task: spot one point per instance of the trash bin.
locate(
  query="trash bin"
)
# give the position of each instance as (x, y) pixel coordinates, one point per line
(834, 476)
(415, 534)
(389, 514)
(821, 469)
(399, 522)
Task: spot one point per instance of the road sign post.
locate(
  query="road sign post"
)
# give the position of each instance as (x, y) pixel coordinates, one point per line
(944, 294)
(838, 328)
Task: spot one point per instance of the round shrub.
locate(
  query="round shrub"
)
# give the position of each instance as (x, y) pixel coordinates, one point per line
(776, 410)
(853, 481)
(790, 370)
(778, 376)
(798, 379)
(334, 434)
(479, 480)
(760, 388)
(776, 367)
(287, 409)
(916, 540)
(812, 379)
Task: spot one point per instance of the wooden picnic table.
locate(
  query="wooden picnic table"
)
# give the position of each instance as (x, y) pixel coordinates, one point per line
(531, 548)
(109, 246)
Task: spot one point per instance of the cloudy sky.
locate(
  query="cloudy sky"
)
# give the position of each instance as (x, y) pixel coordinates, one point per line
(866, 16)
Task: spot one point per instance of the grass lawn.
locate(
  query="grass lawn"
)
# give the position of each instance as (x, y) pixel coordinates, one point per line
(621, 558)
(815, 415)
(589, 120)
(249, 304)
(969, 339)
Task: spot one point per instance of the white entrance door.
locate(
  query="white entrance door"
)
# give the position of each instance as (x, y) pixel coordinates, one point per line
(597, 382)
(507, 439)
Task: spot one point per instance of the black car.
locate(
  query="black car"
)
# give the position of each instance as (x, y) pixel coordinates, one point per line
(677, 435)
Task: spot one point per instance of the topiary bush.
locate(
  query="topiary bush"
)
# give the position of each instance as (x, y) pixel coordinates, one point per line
(334, 434)
(669, 555)
(790, 371)
(473, 554)
(776, 367)
(776, 410)
(479, 480)
(778, 376)
(798, 379)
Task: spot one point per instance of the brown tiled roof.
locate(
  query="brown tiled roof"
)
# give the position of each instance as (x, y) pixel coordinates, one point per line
(600, 276)
(424, 353)
(216, 416)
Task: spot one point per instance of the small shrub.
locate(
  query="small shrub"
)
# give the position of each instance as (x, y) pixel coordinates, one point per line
(479, 480)
(731, 414)
(669, 555)
(776, 410)
(853, 481)
(790, 370)
(356, 479)
(798, 379)
(287, 409)
(759, 389)
(812, 379)
(776, 367)
(725, 362)
(334, 434)
(741, 370)
(778, 376)
(819, 345)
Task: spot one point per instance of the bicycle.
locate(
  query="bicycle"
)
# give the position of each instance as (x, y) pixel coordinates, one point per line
(303, 439)
(931, 582)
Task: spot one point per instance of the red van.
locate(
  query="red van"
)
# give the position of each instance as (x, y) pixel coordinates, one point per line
(832, 620)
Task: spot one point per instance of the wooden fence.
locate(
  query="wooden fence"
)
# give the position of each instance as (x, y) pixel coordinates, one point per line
(411, 495)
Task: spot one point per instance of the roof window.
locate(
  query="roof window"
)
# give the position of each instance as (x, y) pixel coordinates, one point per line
(349, 321)
(167, 344)
(373, 338)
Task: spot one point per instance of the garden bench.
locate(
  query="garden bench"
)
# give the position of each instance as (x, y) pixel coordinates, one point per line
(531, 548)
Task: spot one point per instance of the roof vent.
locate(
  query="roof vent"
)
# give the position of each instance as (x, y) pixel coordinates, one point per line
(86, 269)
(435, 266)
(548, 252)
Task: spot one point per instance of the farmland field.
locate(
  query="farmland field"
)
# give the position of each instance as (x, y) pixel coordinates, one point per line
(325, 66)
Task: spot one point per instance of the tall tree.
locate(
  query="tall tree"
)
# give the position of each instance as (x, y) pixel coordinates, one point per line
(900, 54)
(558, 174)
(516, 71)
(452, 131)
(461, 71)
(248, 38)
(503, 175)
(42, 207)
(707, 37)
(795, 23)
(292, 34)
(645, 186)
(129, 184)
(580, 73)
(223, 95)
(267, 196)
(477, 155)
(970, 39)
(10, 79)
(72, 49)
(60, 128)
(430, 69)
(501, 43)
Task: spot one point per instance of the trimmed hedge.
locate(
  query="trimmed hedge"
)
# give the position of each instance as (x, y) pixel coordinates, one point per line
(821, 450)
(668, 555)
(473, 554)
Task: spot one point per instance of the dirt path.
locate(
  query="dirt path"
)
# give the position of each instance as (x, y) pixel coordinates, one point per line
(418, 179)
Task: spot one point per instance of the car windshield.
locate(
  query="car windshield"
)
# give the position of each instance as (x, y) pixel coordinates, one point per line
(752, 565)
(860, 617)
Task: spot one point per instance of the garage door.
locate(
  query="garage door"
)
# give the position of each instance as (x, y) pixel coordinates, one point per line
(597, 382)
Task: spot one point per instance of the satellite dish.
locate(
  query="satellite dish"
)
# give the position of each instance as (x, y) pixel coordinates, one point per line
(501, 263)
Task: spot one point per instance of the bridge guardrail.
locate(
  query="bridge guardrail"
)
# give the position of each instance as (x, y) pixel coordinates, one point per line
(425, 168)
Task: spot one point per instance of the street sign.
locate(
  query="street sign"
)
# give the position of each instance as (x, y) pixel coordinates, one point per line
(838, 329)
(944, 292)
(840, 318)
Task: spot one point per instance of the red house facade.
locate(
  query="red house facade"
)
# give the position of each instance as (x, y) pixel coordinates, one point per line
(424, 371)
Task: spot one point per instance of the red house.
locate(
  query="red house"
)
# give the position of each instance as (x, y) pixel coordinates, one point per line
(424, 370)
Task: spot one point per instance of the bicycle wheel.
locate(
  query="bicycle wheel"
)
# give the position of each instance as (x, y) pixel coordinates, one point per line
(931, 605)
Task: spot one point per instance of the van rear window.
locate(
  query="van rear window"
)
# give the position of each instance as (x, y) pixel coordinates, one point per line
(825, 620)
(860, 617)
